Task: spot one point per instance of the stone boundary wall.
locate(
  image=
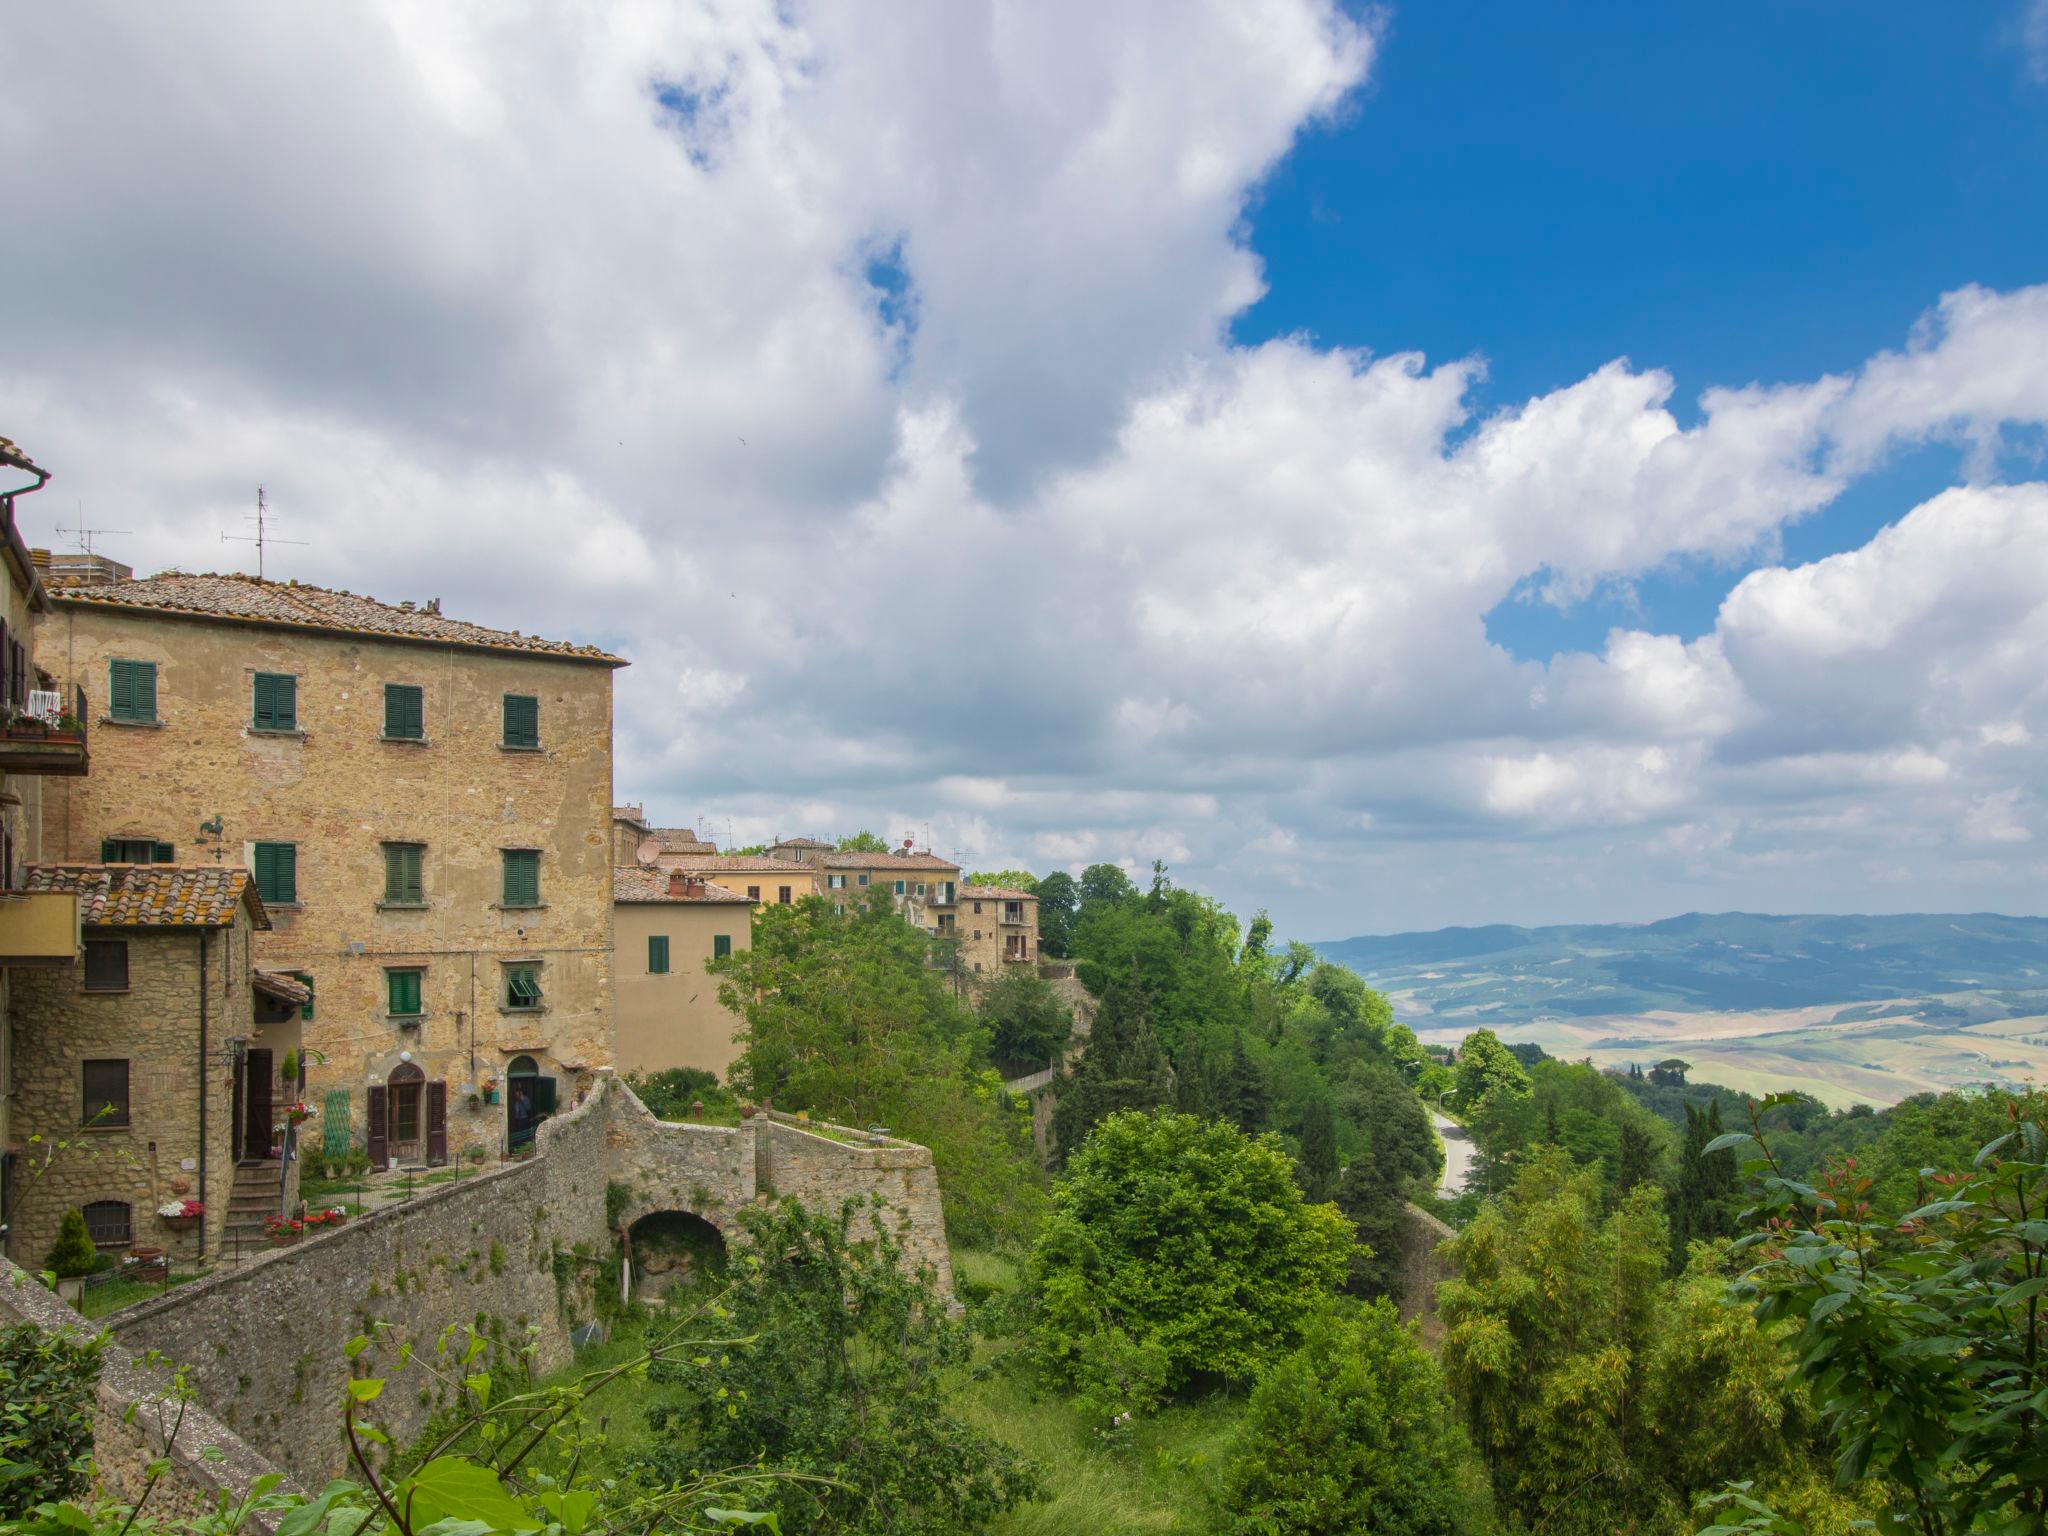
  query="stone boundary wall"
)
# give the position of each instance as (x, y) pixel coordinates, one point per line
(1422, 1269)
(823, 1173)
(135, 1422)
(499, 1252)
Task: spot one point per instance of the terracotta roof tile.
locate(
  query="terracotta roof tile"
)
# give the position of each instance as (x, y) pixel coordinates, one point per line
(246, 599)
(887, 861)
(733, 864)
(153, 895)
(286, 989)
(680, 840)
(653, 885)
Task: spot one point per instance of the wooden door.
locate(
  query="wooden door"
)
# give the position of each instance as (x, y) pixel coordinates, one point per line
(256, 1123)
(380, 1142)
(437, 1123)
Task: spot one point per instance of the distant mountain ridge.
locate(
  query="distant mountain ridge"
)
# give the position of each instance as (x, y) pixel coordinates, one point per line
(1702, 962)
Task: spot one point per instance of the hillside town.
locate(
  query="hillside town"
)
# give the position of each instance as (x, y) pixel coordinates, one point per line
(290, 869)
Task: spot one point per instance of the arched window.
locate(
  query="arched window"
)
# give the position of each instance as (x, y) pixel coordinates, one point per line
(523, 1066)
(110, 1223)
(407, 1072)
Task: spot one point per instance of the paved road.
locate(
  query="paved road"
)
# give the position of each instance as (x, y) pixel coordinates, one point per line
(1457, 1153)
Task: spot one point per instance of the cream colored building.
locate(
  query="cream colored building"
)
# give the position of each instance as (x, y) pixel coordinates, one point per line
(996, 926)
(921, 885)
(667, 925)
(424, 804)
(157, 1057)
(763, 881)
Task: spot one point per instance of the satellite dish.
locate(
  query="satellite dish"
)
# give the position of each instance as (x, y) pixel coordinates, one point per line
(648, 851)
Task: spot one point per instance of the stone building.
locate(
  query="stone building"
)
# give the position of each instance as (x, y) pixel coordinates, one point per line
(765, 882)
(633, 835)
(425, 806)
(157, 1056)
(667, 925)
(997, 926)
(41, 735)
(921, 885)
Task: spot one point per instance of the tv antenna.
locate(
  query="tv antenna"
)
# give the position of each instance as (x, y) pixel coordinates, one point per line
(86, 535)
(262, 538)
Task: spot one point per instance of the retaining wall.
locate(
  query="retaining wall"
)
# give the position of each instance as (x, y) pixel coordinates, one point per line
(1422, 1268)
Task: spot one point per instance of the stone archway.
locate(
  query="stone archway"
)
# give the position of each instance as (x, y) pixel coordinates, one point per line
(671, 1248)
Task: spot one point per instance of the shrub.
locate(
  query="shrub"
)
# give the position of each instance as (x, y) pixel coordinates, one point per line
(73, 1254)
(1353, 1432)
(47, 1381)
(1187, 1234)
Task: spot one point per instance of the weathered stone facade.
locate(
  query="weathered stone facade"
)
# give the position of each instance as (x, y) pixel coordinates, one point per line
(180, 1026)
(996, 927)
(206, 780)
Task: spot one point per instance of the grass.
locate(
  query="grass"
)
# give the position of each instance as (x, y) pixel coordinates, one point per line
(99, 1300)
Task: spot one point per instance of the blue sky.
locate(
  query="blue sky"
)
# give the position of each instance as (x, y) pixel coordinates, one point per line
(987, 418)
(1729, 193)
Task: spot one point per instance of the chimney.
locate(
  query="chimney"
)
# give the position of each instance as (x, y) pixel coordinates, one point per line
(678, 885)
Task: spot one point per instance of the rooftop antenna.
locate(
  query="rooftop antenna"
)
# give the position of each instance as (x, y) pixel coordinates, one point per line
(86, 535)
(262, 538)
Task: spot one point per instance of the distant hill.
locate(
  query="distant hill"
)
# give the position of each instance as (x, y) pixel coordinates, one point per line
(1709, 962)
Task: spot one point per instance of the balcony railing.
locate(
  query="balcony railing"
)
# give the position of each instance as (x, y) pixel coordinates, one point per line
(48, 741)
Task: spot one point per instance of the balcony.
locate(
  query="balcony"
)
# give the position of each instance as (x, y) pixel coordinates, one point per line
(45, 738)
(38, 927)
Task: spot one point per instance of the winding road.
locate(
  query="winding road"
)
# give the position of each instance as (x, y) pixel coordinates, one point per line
(1457, 1154)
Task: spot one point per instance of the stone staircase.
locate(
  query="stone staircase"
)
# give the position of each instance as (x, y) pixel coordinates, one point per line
(252, 1202)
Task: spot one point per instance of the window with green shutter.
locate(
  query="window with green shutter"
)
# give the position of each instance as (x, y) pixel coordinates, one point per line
(277, 872)
(136, 850)
(522, 720)
(405, 712)
(403, 885)
(522, 986)
(305, 1012)
(131, 692)
(402, 992)
(657, 954)
(721, 946)
(522, 877)
(276, 702)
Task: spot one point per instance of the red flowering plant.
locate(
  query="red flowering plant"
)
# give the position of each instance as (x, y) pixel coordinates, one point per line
(1924, 1340)
(181, 1210)
(284, 1226)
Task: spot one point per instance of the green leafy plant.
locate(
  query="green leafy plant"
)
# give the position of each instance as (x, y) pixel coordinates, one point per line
(72, 1254)
(47, 1383)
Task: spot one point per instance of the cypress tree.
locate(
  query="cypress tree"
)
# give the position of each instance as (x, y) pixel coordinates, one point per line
(1318, 1148)
(1124, 1067)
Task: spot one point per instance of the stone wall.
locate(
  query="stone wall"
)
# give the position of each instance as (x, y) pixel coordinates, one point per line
(338, 790)
(1422, 1269)
(135, 1420)
(824, 1173)
(57, 1025)
(265, 1342)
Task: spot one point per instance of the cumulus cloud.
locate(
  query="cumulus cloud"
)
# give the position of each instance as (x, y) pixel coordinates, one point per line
(863, 374)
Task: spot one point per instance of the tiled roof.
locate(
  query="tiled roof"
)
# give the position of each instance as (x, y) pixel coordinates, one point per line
(11, 455)
(653, 885)
(994, 893)
(153, 895)
(680, 840)
(286, 989)
(248, 600)
(733, 864)
(888, 861)
(801, 842)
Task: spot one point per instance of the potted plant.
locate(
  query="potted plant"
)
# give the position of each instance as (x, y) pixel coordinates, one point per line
(298, 1112)
(181, 1215)
(283, 1230)
(476, 1102)
(288, 1069)
(72, 1257)
(144, 1263)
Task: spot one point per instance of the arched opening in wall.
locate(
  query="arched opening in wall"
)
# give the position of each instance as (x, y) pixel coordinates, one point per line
(674, 1250)
(529, 1099)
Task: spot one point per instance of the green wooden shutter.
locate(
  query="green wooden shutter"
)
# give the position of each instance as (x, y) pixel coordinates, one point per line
(403, 881)
(721, 946)
(276, 702)
(404, 991)
(522, 877)
(405, 711)
(131, 690)
(657, 954)
(277, 872)
(522, 720)
(162, 853)
(110, 851)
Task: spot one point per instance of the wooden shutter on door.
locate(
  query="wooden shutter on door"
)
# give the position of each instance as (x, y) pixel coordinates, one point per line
(437, 1123)
(261, 1119)
(379, 1114)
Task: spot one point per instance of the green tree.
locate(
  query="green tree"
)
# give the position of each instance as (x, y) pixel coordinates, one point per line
(1059, 904)
(73, 1254)
(1373, 1204)
(1318, 1148)
(1704, 1201)
(1352, 1432)
(1105, 885)
(49, 1383)
(1636, 1156)
(1122, 1068)
(1015, 879)
(846, 1015)
(862, 841)
(845, 1380)
(1489, 1077)
(1025, 1018)
(1188, 1235)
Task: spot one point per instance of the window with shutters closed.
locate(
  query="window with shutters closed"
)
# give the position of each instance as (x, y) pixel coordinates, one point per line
(276, 867)
(657, 954)
(402, 993)
(522, 877)
(275, 702)
(721, 946)
(131, 692)
(405, 712)
(106, 965)
(404, 881)
(106, 1092)
(522, 721)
